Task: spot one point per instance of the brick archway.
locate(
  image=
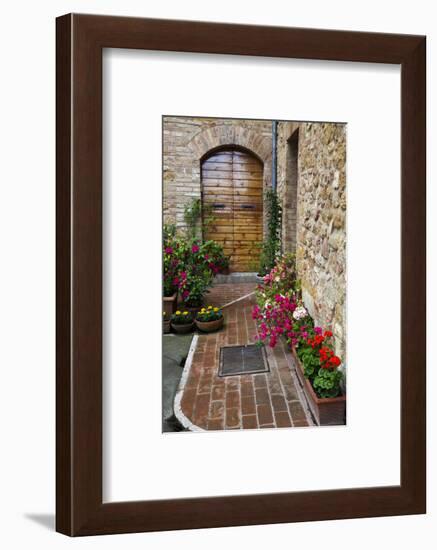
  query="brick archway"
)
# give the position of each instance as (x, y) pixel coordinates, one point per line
(225, 135)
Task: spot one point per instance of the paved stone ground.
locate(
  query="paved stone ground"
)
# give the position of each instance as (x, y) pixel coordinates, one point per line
(175, 350)
(268, 400)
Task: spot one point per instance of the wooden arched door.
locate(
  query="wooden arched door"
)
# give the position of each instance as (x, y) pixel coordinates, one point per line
(232, 194)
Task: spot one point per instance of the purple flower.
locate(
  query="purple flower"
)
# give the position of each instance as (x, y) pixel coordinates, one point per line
(168, 250)
(194, 248)
(318, 330)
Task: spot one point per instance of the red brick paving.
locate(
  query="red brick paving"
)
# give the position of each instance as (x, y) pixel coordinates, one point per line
(224, 293)
(268, 400)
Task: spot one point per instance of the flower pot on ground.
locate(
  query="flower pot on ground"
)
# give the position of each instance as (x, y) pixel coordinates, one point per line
(209, 319)
(169, 304)
(327, 411)
(182, 322)
(165, 323)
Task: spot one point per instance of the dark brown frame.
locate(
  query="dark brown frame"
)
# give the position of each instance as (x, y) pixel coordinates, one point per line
(79, 508)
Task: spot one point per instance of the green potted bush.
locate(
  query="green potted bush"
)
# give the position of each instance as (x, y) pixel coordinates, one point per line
(182, 322)
(209, 319)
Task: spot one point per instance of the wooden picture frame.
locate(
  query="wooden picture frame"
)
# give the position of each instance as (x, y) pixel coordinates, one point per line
(79, 507)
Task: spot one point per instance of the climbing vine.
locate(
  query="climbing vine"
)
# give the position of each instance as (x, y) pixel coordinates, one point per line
(272, 244)
(193, 214)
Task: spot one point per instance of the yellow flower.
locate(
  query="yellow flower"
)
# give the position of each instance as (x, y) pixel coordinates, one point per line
(209, 307)
(185, 312)
(216, 309)
(178, 312)
(202, 310)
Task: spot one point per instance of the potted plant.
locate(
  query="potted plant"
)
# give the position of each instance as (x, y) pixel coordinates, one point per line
(171, 266)
(209, 319)
(165, 322)
(214, 257)
(182, 322)
(317, 368)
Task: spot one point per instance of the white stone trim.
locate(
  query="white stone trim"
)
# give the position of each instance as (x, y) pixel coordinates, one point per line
(238, 299)
(186, 422)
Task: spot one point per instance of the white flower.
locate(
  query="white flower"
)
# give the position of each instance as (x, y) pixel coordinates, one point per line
(300, 313)
(277, 279)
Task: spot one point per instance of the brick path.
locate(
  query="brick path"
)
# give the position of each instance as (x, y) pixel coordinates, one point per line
(223, 293)
(267, 400)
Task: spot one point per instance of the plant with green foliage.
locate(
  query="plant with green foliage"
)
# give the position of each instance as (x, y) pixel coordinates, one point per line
(327, 382)
(207, 314)
(182, 318)
(272, 244)
(192, 215)
(213, 252)
(195, 214)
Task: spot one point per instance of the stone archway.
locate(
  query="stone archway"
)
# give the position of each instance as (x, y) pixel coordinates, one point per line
(229, 135)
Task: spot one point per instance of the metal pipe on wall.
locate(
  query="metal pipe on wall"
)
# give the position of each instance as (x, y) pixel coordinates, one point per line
(274, 152)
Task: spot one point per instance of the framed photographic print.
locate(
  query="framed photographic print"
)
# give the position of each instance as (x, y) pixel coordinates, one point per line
(240, 275)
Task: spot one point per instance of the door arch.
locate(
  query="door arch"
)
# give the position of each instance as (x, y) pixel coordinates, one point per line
(232, 194)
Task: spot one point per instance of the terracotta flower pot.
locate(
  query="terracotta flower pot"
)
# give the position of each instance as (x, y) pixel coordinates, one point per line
(183, 329)
(166, 326)
(327, 411)
(210, 326)
(169, 304)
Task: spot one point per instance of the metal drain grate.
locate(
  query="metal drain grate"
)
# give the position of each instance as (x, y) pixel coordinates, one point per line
(248, 359)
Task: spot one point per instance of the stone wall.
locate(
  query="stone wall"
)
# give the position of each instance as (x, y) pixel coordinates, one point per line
(186, 140)
(318, 217)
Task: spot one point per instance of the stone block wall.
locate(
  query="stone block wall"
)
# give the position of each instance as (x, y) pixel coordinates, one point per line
(318, 217)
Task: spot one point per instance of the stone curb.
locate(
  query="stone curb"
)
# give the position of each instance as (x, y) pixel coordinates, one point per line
(186, 422)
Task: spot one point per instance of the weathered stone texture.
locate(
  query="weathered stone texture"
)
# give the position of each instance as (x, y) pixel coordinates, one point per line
(321, 225)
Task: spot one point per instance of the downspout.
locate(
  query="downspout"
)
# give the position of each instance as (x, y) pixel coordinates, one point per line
(274, 165)
(274, 152)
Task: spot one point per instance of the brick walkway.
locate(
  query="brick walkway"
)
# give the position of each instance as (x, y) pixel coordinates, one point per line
(224, 293)
(268, 400)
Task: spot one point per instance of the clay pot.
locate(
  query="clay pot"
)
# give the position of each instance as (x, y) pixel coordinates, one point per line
(182, 329)
(169, 304)
(210, 326)
(327, 411)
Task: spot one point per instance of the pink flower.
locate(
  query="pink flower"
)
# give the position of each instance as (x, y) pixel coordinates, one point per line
(168, 250)
(318, 330)
(255, 312)
(194, 248)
